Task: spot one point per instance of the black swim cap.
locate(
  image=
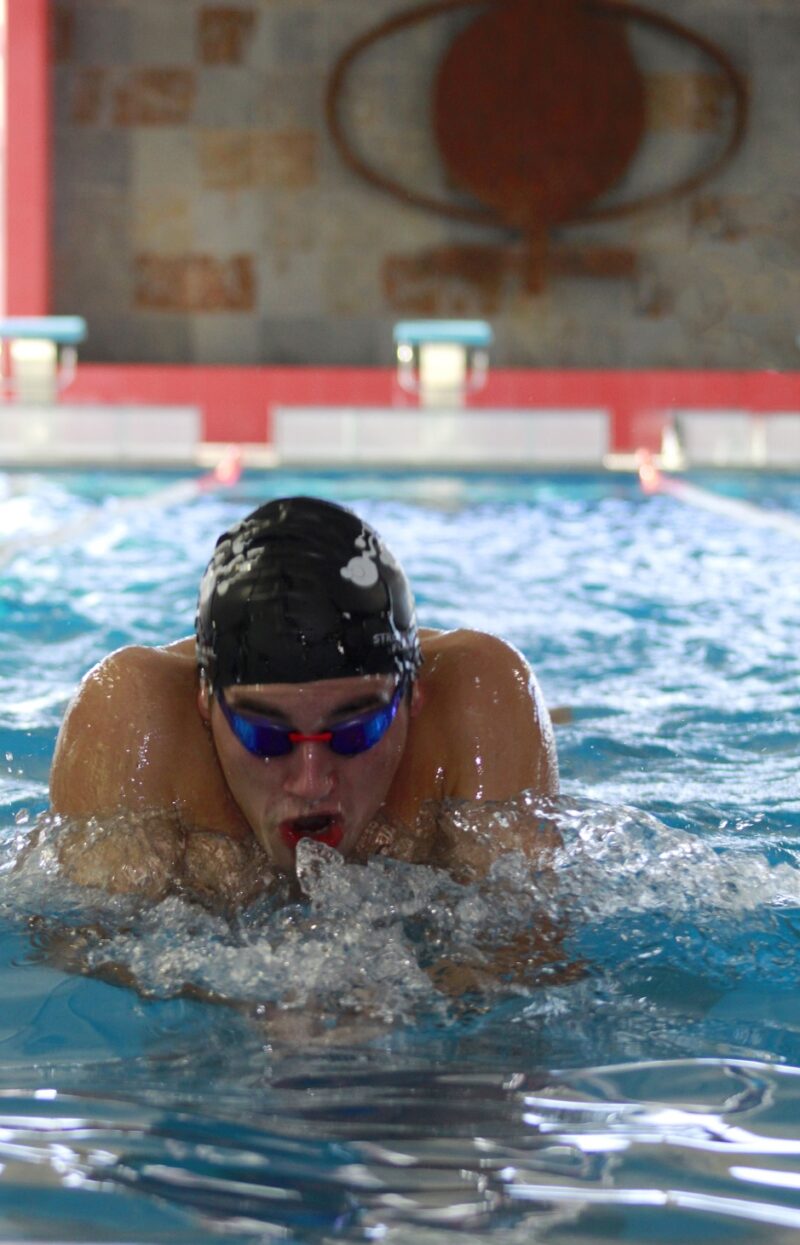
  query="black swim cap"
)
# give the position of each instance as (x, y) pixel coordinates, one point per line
(303, 590)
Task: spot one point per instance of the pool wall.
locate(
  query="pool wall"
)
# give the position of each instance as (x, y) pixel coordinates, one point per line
(359, 416)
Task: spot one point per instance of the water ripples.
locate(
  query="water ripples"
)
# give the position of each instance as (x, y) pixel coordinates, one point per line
(408, 1151)
(603, 1046)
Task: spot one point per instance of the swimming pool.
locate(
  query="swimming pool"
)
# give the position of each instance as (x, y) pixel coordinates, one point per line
(653, 1094)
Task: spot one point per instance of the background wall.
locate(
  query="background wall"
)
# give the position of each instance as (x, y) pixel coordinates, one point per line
(203, 215)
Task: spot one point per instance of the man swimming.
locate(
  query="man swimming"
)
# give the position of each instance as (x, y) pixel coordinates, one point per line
(308, 707)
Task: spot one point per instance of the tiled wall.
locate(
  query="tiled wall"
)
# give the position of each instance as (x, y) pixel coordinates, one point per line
(202, 213)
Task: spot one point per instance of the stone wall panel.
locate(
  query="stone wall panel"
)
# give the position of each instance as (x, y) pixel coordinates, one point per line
(224, 33)
(155, 97)
(237, 160)
(194, 283)
(163, 223)
(101, 32)
(89, 93)
(163, 32)
(196, 188)
(63, 30)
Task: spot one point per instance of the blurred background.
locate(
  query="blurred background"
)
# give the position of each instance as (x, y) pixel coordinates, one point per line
(270, 186)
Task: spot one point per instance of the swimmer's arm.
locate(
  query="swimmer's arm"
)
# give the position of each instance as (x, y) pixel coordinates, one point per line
(112, 784)
(110, 753)
(489, 721)
(560, 715)
(108, 785)
(501, 733)
(151, 855)
(128, 854)
(535, 958)
(501, 803)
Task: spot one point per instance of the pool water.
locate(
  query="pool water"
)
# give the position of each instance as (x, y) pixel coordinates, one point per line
(300, 1072)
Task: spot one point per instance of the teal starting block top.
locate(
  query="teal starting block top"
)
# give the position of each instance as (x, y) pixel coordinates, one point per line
(472, 333)
(63, 330)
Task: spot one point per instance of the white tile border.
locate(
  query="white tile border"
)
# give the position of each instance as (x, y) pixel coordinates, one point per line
(98, 434)
(378, 436)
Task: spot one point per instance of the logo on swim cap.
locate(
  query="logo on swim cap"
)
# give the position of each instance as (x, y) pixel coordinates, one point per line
(302, 590)
(362, 569)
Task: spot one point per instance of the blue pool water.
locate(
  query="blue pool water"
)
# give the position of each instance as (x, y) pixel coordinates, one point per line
(642, 1083)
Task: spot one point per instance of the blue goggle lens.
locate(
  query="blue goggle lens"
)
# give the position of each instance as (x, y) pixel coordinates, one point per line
(266, 739)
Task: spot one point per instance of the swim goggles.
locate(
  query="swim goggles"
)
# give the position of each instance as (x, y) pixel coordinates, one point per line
(266, 739)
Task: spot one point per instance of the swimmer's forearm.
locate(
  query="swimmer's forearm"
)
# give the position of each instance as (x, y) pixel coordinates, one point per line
(140, 857)
(152, 855)
(531, 956)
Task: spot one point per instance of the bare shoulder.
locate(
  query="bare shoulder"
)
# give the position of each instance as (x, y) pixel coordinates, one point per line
(136, 781)
(479, 694)
(117, 735)
(477, 665)
(129, 685)
(465, 641)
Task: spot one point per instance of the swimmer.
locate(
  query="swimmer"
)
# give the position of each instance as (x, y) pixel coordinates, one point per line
(307, 707)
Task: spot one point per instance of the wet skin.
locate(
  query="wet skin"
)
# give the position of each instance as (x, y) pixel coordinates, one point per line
(154, 794)
(312, 791)
(157, 791)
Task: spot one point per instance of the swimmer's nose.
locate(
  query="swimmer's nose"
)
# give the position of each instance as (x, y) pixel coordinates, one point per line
(310, 771)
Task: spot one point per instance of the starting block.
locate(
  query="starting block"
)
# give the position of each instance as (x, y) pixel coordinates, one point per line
(442, 360)
(39, 356)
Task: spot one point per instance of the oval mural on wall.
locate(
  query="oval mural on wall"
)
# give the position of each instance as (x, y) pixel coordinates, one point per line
(538, 109)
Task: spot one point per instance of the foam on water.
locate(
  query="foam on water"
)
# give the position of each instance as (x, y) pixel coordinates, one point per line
(603, 1045)
(623, 898)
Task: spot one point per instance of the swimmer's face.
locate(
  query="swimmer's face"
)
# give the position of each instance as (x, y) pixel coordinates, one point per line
(312, 792)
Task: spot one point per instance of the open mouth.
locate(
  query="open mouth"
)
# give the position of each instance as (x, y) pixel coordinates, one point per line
(322, 827)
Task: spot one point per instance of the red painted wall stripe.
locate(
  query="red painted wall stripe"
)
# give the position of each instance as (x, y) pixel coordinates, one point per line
(236, 402)
(27, 188)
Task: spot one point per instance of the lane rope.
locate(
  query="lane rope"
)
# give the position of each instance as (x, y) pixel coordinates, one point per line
(227, 472)
(653, 480)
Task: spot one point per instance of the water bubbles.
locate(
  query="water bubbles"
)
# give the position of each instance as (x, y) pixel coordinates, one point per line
(612, 901)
